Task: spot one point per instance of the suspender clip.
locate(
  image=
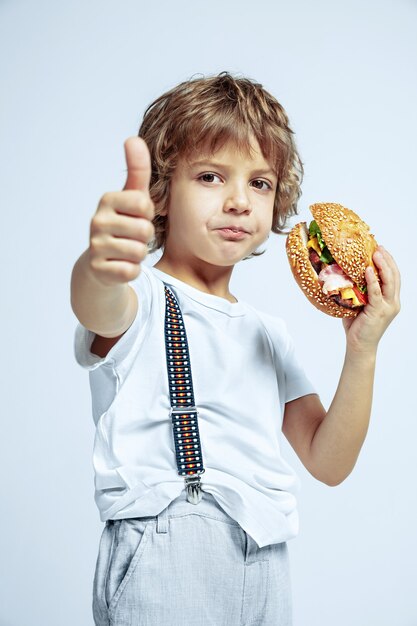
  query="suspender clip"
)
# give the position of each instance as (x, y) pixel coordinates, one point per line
(193, 487)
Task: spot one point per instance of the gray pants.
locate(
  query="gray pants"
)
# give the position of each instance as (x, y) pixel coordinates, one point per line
(191, 565)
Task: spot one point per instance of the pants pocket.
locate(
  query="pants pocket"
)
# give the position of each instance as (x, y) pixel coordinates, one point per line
(121, 547)
(129, 539)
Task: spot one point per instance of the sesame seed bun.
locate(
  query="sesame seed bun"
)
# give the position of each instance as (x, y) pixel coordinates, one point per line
(350, 244)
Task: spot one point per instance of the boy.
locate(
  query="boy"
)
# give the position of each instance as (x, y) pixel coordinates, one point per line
(214, 171)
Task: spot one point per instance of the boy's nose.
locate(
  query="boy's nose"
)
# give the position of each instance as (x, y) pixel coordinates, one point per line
(237, 200)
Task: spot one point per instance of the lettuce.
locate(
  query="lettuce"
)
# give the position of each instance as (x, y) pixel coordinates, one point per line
(314, 231)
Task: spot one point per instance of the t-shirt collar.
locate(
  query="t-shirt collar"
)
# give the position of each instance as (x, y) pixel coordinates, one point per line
(233, 309)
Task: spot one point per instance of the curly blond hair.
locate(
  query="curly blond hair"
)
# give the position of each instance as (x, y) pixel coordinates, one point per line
(213, 110)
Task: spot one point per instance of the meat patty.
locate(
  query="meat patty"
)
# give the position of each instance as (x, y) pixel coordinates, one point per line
(348, 304)
(315, 260)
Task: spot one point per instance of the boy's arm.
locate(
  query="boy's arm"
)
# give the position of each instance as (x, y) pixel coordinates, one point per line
(120, 231)
(328, 443)
(107, 310)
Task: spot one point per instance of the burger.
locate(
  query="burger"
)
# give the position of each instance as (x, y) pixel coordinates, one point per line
(328, 259)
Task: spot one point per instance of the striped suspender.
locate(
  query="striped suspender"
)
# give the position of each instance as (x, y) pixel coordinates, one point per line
(183, 410)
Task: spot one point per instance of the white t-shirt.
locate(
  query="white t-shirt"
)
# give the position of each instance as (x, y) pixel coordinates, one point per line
(243, 369)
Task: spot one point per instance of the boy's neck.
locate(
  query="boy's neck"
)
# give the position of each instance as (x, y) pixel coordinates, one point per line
(214, 282)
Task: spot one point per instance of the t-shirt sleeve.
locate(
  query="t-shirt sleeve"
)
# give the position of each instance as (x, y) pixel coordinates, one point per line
(292, 380)
(83, 337)
(297, 383)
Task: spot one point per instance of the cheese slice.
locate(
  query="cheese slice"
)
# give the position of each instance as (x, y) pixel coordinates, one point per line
(349, 294)
(313, 243)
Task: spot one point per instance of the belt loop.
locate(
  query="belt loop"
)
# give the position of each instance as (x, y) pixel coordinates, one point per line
(162, 521)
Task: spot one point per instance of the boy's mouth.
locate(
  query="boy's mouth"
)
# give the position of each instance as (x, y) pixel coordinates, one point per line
(232, 234)
(234, 229)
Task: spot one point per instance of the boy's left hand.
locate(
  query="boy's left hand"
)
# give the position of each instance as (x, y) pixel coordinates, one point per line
(364, 331)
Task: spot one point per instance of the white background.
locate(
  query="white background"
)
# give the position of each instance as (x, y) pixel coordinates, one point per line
(76, 78)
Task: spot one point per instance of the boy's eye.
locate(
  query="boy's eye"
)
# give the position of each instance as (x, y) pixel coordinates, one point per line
(268, 186)
(208, 175)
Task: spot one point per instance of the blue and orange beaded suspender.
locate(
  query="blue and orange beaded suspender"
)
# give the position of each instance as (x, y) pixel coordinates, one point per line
(183, 410)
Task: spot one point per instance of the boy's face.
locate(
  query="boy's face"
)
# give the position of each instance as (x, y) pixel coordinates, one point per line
(213, 192)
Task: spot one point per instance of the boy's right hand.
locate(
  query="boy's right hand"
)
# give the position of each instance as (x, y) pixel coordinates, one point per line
(122, 225)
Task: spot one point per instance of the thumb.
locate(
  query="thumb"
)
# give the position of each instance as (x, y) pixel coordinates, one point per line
(138, 162)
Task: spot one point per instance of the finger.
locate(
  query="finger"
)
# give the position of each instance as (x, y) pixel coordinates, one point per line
(385, 273)
(138, 162)
(373, 286)
(136, 228)
(129, 202)
(395, 270)
(125, 250)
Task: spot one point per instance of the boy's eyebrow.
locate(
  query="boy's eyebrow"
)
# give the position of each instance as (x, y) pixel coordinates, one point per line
(227, 167)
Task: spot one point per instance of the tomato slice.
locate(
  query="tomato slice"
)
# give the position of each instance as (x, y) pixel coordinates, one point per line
(362, 297)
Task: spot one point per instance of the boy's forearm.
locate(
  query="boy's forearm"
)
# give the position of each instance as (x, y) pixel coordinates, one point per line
(338, 439)
(105, 310)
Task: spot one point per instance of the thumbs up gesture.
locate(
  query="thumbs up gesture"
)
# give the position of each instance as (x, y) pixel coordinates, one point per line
(122, 225)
